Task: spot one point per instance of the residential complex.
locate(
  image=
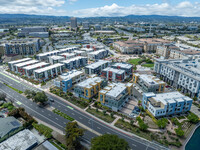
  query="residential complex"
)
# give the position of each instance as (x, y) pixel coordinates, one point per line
(55, 59)
(18, 68)
(74, 63)
(89, 87)
(115, 95)
(113, 74)
(128, 68)
(21, 47)
(96, 55)
(181, 74)
(12, 63)
(45, 73)
(96, 67)
(149, 83)
(67, 80)
(166, 104)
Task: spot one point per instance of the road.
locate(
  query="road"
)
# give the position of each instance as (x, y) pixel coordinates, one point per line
(59, 122)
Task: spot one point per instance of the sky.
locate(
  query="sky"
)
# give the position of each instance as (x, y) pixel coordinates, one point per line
(96, 8)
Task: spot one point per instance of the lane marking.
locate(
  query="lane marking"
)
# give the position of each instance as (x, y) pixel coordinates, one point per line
(10, 77)
(70, 107)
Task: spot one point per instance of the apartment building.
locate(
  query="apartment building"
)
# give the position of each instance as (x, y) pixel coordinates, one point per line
(148, 83)
(181, 74)
(18, 68)
(74, 63)
(89, 87)
(45, 73)
(166, 104)
(28, 70)
(44, 56)
(165, 50)
(12, 63)
(97, 67)
(113, 74)
(184, 54)
(67, 80)
(68, 55)
(21, 47)
(96, 55)
(128, 68)
(115, 95)
(26, 31)
(55, 59)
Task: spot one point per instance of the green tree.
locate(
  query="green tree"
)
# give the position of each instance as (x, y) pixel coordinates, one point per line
(193, 118)
(179, 132)
(141, 123)
(162, 123)
(40, 97)
(109, 142)
(73, 135)
(2, 96)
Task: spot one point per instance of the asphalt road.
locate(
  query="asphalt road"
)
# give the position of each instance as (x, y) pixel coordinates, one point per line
(59, 122)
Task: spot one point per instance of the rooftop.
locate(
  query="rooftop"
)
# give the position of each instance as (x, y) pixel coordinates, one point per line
(48, 53)
(118, 71)
(122, 65)
(35, 65)
(72, 59)
(26, 63)
(21, 141)
(97, 52)
(97, 64)
(48, 68)
(7, 124)
(70, 74)
(88, 82)
(151, 80)
(55, 57)
(18, 61)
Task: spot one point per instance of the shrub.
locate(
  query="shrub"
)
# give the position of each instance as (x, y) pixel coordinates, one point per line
(179, 132)
(162, 123)
(193, 118)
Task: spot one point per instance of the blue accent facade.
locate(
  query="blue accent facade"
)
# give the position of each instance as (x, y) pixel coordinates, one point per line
(66, 85)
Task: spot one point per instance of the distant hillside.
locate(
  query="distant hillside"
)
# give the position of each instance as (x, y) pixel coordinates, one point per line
(23, 19)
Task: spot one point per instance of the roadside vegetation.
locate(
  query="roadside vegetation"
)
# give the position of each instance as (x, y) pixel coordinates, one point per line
(56, 111)
(18, 91)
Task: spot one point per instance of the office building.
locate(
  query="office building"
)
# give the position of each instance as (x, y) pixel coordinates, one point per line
(73, 23)
(96, 55)
(89, 87)
(166, 104)
(22, 47)
(55, 59)
(12, 63)
(128, 68)
(74, 63)
(28, 70)
(18, 68)
(181, 74)
(67, 80)
(97, 67)
(148, 83)
(45, 73)
(113, 74)
(115, 95)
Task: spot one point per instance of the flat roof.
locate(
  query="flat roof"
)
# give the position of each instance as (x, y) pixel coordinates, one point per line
(97, 64)
(55, 57)
(72, 59)
(47, 53)
(68, 54)
(21, 141)
(118, 71)
(116, 89)
(97, 52)
(70, 74)
(123, 65)
(35, 65)
(48, 68)
(20, 60)
(151, 80)
(26, 63)
(87, 83)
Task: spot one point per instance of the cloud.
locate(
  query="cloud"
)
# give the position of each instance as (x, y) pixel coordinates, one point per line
(42, 7)
(184, 8)
(72, 1)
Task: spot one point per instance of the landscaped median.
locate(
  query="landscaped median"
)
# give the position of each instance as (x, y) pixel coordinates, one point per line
(56, 111)
(20, 92)
(101, 115)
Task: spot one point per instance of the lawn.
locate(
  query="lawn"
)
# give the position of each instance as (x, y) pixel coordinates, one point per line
(56, 111)
(100, 115)
(134, 61)
(148, 65)
(20, 92)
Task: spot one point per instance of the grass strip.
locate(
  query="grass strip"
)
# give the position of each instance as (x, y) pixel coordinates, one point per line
(56, 111)
(18, 91)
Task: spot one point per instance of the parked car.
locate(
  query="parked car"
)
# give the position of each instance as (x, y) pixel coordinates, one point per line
(51, 100)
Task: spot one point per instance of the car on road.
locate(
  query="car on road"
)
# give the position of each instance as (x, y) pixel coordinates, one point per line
(199, 109)
(51, 100)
